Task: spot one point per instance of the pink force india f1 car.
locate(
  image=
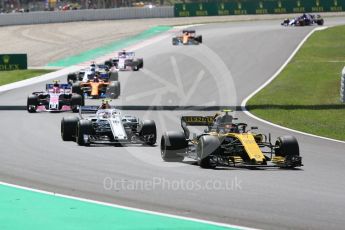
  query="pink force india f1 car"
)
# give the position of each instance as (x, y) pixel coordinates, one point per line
(57, 97)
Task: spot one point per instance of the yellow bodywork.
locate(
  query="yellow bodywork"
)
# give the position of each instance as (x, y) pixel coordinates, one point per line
(247, 140)
(278, 160)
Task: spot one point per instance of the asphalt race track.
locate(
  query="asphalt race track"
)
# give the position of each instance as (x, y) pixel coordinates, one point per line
(235, 59)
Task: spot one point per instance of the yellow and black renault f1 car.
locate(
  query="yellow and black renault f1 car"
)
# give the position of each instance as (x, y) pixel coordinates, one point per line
(225, 143)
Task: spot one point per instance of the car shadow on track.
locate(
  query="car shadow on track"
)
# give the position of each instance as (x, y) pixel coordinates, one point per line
(122, 145)
(224, 168)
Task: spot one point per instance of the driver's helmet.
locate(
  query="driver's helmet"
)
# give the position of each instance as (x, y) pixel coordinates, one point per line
(105, 105)
(95, 78)
(224, 123)
(123, 53)
(56, 89)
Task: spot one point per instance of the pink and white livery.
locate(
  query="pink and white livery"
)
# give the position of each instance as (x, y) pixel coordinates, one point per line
(57, 97)
(126, 61)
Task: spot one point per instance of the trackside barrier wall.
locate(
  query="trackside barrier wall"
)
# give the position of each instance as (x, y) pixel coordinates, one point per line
(342, 86)
(242, 7)
(13, 62)
(84, 15)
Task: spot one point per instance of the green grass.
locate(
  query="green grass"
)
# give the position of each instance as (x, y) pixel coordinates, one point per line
(305, 96)
(7, 77)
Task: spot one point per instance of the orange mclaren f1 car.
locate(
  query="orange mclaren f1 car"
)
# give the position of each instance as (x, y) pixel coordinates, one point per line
(97, 88)
(188, 37)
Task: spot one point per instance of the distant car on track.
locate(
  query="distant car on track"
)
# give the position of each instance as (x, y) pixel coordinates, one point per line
(126, 61)
(188, 37)
(229, 144)
(304, 20)
(57, 97)
(107, 126)
(104, 73)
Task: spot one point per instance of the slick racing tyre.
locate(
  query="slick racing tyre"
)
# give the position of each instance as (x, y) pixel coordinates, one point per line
(137, 64)
(135, 67)
(320, 22)
(175, 41)
(76, 100)
(84, 127)
(71, 78)
(199, 39)
(68, 128)
(113, 76)
(141, 63)
(116, 63)
(173, 144)
(32, 103)
(287, 145)
(108, 63)
(208, 146)
(113, 90)
(148, 129)
(76, 88)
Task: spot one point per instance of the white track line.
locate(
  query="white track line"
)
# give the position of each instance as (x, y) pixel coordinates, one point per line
(127, 208)
(244, 102)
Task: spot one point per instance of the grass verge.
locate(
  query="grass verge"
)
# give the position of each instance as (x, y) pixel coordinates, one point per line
(7, 77)
(305, 96)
